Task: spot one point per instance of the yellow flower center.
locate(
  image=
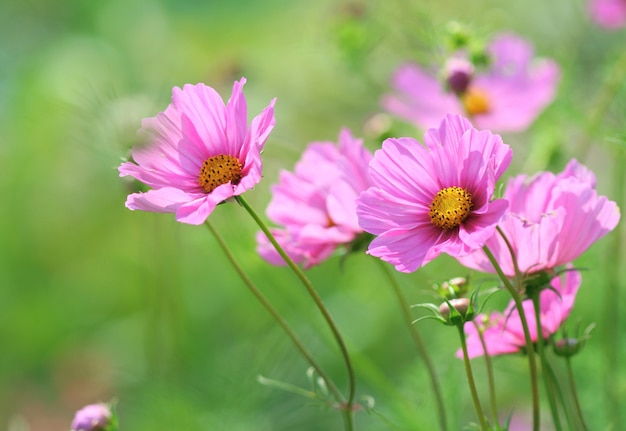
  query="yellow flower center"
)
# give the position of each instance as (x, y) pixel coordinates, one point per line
(219, 170)
(450, 207)
(475, 101)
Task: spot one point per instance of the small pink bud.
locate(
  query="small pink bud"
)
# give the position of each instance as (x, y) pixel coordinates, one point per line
(461, 305)
(94, 417)
(458, 74)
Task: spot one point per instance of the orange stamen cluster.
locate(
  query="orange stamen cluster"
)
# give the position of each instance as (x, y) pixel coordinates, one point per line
(450, 207)
(219, 170)
(475, 101)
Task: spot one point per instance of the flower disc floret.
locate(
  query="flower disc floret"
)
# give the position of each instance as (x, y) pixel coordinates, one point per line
(218, 170)
(434, 198)
(450, 207)
(476, 101)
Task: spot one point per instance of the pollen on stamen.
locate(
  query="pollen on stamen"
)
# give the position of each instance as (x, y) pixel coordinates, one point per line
(450, 207)
(475, 101)
(219, 170)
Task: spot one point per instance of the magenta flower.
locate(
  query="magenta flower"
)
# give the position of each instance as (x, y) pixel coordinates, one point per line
(551, 221)
(503, 332)
(94, 417)
(434, 199)
(315, 204)
(200, 153)
(610, 14)
(506, 96)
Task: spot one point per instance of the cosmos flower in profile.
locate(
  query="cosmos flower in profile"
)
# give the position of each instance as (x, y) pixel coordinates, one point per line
(507, 95)
(434, 198)
(315, 204)
(551, 221)
(503, 332)
(200, 152)
(610, 14)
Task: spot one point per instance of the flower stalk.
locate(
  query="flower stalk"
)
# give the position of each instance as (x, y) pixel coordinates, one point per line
(348, 407)
(274, 313)
(419, 343)
(530, 350)
(470, 380)
(549, 382)
(490, 378)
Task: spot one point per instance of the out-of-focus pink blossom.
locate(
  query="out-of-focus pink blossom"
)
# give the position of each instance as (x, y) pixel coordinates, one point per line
(503, 332)
(315, 204)
(433, 199)
(506, 96)
(200, 152)
(610, 14)
(551, 221)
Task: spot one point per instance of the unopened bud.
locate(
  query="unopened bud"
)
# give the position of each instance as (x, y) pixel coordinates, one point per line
(94, 417)
(458, 73)
(462, 311)
(568, 347)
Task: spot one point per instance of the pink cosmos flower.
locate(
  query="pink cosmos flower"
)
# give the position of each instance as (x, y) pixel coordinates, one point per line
(200, 153)
(94, 417)
(433, 199)
(503, 332)
(552, 220)
(507, 96)
(315, 204)
(610, 14)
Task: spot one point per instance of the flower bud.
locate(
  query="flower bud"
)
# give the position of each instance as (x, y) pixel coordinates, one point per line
(458, 73)
(568, 347)
(456, 287)
(461, 311)
(94, 417)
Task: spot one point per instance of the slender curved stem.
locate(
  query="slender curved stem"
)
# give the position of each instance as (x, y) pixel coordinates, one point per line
(275, 314)
(470, 381)
(530, 350)
(419, 343)
(318, 302)
(548, 381)
(556, 389)
(574, 392)
(492, 386)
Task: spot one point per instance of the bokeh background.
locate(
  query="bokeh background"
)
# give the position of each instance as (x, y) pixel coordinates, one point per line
(98, 302)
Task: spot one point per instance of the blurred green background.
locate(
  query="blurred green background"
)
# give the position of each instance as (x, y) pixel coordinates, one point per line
(98, 302)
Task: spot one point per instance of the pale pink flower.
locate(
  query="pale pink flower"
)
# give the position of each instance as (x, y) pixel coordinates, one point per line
(200, 153)
(94, 417)
(610, 14)
(552, 220)
(503, 332)
(506, 96)
(433, 199)
(315, 204)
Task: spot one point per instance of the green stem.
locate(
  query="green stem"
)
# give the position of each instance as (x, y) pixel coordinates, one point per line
(556, 389)
(530, 350)
(419, 343)
(470, 381)
(491, 380)
(318, 302)
(541, 351)
(275, 314)
(574, 392)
